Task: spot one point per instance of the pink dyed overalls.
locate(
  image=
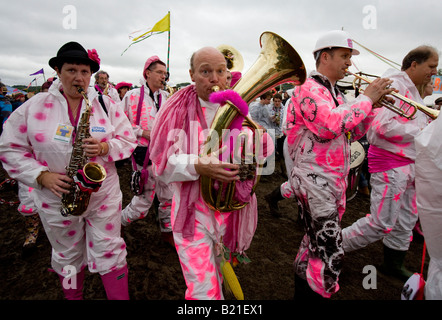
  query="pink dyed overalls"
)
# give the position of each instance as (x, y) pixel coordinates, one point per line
(140, 205)
(38, 137)
(199, 257)
(319, 124)
(391, 163)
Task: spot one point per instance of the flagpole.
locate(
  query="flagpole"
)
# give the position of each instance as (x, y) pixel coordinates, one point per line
(168, 45)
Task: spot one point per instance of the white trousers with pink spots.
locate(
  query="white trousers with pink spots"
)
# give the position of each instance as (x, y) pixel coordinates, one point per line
(393, 212)
(92, 239)
(139, 206)
(199, 258)
(26, 206)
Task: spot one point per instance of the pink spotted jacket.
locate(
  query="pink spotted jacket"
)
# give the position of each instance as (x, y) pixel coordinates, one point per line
(36, 138)
(148, 110)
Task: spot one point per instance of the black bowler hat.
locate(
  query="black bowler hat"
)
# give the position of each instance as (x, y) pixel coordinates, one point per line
(74, 52)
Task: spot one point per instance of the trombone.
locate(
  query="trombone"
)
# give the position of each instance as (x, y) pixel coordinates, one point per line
(407, 112)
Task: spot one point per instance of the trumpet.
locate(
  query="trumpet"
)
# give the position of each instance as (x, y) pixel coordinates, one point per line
(408, 108)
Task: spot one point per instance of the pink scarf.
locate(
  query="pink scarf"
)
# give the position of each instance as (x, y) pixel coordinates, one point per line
(178, 113)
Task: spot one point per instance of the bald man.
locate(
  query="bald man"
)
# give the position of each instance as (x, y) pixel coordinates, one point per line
(198, 230)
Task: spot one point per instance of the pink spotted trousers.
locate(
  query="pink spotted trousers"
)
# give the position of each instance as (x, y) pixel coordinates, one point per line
(393, 212)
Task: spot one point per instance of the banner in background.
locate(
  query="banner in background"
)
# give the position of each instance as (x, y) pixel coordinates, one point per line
(437, 84)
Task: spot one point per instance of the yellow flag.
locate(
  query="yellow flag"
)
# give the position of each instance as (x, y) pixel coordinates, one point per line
(161, 26)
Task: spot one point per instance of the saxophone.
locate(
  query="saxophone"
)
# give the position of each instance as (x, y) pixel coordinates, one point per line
(87, 176)
(106, 89)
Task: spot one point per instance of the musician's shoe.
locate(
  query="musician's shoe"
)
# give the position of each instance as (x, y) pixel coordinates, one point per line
(73, 287)
(116, 284)
(394, 264)
(272, 200)
(304, 292)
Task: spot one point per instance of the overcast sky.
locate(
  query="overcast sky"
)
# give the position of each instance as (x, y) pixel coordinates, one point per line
(33, 31)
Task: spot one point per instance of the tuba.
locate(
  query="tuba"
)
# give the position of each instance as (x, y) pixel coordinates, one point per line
(87, 176)
(234, 59)
(277, 63)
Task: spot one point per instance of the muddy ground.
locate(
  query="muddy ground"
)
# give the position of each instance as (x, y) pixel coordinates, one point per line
(155, 273)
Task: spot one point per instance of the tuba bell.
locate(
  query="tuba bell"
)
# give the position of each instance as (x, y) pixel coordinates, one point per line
(234, 59)
(277, 63)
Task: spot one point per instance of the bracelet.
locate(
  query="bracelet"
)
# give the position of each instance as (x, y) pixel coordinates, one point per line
(103, 147)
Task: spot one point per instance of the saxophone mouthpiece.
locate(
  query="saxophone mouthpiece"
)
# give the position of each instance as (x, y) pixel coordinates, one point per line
(80, 89)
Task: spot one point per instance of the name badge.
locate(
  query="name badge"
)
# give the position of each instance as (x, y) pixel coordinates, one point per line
(64, 133)
(98, 129)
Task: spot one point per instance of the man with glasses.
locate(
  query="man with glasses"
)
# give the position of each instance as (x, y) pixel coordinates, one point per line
(141, 106)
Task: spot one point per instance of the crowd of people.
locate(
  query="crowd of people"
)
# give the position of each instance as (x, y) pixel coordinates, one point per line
(163, 133)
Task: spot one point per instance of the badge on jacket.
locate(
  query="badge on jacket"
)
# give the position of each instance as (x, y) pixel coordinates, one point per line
(64, 133)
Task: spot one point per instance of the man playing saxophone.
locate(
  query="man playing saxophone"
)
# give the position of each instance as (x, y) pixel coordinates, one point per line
(36, 149)
(104, 87)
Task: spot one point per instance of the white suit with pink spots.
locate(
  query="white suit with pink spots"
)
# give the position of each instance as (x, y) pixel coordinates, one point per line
(140, 205)
(318, 123)
(198, 258)
(391, 162)
(35, 139)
